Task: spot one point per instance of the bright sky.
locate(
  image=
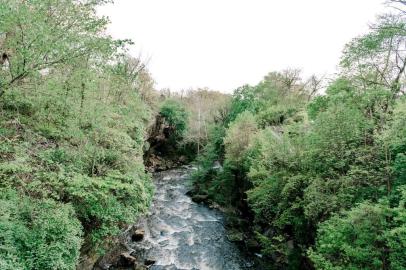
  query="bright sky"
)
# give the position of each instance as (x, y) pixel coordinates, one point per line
(223, 44)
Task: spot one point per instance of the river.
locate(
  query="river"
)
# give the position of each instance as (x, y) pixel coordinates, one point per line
(181, 234)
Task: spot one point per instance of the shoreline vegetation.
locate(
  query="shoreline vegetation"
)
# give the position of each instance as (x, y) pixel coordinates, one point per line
(312, 171)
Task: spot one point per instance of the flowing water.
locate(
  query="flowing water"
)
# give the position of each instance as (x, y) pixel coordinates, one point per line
(180, 234)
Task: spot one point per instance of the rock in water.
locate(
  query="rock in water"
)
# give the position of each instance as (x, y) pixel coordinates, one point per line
(126, 260)
(137, 235)
(199, 198)
(149, 262)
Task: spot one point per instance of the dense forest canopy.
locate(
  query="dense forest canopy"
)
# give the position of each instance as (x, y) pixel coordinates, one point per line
(312, 172)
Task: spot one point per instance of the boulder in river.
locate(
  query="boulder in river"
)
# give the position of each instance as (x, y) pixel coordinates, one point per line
(137, 234)
(200, 198)
(126, 260)
(149, 262)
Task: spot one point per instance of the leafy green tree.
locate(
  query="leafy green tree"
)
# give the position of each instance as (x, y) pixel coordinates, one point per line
(321, 172)
(72, 130)
(238, 137)
(40, 35)
(176, 116)
(377, 58)
(369, 236)
(243, 100)
(393, 141)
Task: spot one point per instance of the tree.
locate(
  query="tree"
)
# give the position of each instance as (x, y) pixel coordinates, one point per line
(239, 136)
(39, 35)
(397, 4)
(76, 167)
(313, 85)
(369, 236)
(378, 58)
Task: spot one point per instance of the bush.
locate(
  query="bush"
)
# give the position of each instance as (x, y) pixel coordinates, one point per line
(37, 234)
(369, 236)
(103, 203)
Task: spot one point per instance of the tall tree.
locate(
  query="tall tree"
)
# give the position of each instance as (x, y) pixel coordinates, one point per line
(379, 57)
(38, 35)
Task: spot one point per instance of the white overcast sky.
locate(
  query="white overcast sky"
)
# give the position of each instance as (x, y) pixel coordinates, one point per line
(223, 44)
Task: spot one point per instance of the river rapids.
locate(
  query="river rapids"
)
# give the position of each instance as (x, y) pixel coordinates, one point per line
(181, 234)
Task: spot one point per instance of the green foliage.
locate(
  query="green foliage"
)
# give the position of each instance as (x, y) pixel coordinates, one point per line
(276, 99)
(212, 151)
(332, 180)
(243, 100)
(45, 34)
(276, 197)
(97, 156)
(238, 137)
(72, 127)
(317, 105)
(71, 136)
(394, 139)
(257, 162)
(102, 213)
(175, 115)
(335, 136)
(278, 114)
(369, 236)
(376, 58)
(37, 234)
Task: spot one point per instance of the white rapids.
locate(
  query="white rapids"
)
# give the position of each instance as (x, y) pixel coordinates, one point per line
(180, 234)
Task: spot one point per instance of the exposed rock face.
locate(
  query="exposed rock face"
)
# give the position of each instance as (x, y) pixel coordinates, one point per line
(159, 155)
(157, 164)
(163, 149)
(159, 132)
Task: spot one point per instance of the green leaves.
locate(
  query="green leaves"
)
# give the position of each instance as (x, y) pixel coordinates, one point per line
(175, 114)
(238, 137)
(377, 58)
(335, 172)
(37, 234)
(362, 238)
(72, 130)
(41, 35)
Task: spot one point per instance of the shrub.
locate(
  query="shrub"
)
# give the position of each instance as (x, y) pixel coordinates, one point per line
(37, 234)
(369, 236)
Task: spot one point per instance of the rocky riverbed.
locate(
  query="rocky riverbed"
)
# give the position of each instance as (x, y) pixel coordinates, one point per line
(177, 233)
